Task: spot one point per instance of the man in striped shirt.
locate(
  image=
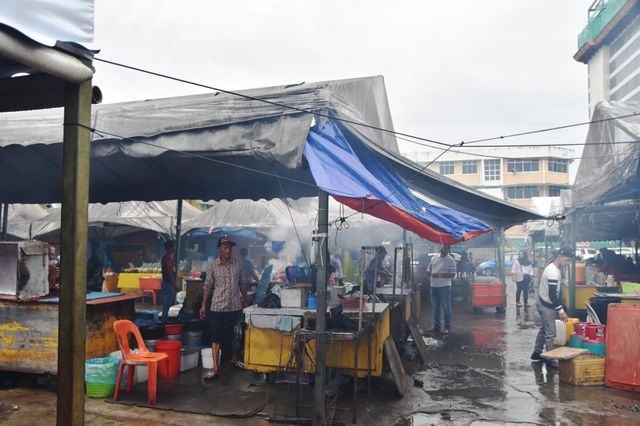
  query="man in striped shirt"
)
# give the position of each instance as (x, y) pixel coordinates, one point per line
(549, 304)
(225, 284)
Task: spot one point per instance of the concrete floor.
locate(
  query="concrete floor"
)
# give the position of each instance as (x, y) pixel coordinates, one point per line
(479, 375)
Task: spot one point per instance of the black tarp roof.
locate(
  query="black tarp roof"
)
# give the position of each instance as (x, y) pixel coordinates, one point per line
(219, 146)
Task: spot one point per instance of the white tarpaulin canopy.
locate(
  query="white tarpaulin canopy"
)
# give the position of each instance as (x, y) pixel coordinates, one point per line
(158, 216)
(247, 214)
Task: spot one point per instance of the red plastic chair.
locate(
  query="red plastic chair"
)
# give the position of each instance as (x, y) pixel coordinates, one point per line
(123, 329)
(151, 285)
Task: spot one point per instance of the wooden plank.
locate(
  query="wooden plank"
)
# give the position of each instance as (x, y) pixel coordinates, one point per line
(563, 353)
(397, 369)
(416, 335)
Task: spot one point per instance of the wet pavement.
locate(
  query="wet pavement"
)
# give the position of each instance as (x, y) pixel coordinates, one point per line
(479, 375)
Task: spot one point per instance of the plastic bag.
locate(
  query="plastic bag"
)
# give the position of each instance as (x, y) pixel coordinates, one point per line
(101, 370)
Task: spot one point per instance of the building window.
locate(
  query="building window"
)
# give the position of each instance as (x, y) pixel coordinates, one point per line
(470, 167)
(627, 88)
(523, 165)
(554, 190)
(558, 166)
(491, 170)
(622, 42)
(447, 167)
(522, 192)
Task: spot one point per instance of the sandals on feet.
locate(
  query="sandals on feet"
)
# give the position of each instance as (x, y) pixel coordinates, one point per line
(210, 375)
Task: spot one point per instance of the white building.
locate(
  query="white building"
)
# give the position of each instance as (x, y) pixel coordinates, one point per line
(610, 46)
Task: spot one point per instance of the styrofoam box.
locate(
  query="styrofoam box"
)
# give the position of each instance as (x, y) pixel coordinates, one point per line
(293, 297)
(189, 358)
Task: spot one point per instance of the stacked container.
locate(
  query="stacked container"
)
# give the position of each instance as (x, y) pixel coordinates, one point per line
(622, 369)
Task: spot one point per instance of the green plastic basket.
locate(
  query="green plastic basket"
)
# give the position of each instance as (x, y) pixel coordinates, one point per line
(99, 390)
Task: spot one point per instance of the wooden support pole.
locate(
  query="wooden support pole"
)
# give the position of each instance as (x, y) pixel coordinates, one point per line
(319, 415)
(73, 254)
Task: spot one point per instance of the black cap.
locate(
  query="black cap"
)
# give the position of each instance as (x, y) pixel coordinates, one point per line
(567, 252)
(381, 249)
(226, 240)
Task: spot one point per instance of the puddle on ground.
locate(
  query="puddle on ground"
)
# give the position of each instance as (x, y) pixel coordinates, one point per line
(445, 417)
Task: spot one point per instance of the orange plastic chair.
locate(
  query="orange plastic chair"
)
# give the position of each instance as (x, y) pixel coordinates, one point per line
(123, 329)
(150, 285)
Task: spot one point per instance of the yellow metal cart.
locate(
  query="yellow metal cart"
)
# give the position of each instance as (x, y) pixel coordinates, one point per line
(269, 340)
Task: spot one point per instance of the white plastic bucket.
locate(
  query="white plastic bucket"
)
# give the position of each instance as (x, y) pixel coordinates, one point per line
(561, 333)
(207, 358)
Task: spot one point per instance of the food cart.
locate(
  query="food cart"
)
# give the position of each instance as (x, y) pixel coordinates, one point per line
(270, 335)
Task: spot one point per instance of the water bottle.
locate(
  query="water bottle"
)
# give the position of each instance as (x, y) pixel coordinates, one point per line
(311, 301)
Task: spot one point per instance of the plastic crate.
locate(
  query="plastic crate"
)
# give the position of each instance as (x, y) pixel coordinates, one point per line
(585, 370)
(99, 390)
(351, 303)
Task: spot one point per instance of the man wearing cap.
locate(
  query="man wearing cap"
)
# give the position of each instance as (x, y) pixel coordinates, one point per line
(375, 270)
(549, 304)
(441, 269)
(225, 283)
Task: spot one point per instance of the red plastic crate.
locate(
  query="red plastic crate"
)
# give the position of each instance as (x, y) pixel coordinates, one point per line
(622, 362)
(487, 294)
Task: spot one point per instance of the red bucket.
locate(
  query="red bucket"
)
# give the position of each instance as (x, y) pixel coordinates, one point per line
(579, 328)
(173, 328)
(595, 331)
(172, 348)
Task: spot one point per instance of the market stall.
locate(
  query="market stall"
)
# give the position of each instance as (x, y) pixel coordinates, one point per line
(604, 204)
(29, 330)
(165, 149)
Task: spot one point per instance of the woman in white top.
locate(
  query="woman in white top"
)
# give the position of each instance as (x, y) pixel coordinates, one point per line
(521, 271)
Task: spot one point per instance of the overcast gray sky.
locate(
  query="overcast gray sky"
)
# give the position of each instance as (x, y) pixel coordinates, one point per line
(454, 70)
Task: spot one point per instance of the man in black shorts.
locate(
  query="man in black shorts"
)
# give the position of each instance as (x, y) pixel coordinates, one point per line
(225, 283)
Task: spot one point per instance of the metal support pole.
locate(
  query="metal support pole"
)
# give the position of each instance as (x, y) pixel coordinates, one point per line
(319, 415)
(572, 267)
(395, 273)
(5, 219)
(73, 254)
(500, 258)
(361, 296)
(178, 232)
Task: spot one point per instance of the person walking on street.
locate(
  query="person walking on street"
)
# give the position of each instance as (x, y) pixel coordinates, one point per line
(549, 304)
(225, 283)
(441, 269)
(169, 287)
(521, 272)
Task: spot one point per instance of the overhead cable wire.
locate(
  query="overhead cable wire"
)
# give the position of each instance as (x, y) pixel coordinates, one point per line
(215, 160)
(550, 129)
(281, 105)
(413, 138)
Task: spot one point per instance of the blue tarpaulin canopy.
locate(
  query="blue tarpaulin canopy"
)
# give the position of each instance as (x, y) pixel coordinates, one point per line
(366, 184)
